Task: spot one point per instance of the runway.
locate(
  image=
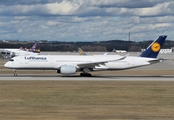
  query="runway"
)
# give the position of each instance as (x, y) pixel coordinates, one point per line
(93, 78)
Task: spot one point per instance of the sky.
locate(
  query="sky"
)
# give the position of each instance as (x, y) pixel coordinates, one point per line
(86, 20)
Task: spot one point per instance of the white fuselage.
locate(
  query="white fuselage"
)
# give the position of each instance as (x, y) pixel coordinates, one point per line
(18, 52)
(120, 51)
(54, 62)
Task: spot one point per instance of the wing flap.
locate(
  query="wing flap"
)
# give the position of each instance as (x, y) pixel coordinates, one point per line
(93, 64)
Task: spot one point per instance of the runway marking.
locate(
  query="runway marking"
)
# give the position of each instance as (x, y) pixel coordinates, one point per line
(96, 78)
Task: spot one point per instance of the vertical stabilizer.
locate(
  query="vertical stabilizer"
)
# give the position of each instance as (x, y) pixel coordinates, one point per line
(81, 52)
(153, 49)
(34, 46)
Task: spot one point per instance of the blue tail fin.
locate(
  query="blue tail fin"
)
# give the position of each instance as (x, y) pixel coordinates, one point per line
(153, 49)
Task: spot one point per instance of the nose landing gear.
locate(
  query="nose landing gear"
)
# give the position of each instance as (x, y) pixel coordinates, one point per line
(15, 74)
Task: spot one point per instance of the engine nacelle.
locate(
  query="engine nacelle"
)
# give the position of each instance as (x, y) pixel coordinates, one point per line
(67, 69)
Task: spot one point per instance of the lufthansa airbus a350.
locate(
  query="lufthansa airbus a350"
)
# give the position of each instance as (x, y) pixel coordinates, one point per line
(70, 64)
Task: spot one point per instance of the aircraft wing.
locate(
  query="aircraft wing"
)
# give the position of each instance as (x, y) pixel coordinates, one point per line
(93, 64)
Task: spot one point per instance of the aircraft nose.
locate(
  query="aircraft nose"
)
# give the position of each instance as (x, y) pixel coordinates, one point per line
(6, 64)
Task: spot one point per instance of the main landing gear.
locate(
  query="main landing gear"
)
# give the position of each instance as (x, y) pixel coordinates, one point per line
(85, 75)
(15, 74)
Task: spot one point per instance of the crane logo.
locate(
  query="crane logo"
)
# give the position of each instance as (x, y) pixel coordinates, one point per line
(155, 47)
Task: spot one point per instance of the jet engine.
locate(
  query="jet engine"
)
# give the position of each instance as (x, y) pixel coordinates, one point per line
(67, 69)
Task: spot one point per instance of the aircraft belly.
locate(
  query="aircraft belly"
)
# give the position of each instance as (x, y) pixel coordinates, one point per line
(117, 65)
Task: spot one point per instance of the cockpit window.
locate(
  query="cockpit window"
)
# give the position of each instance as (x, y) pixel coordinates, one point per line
(11, 60)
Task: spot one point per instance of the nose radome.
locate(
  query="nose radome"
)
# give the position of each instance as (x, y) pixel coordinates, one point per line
(6, 64)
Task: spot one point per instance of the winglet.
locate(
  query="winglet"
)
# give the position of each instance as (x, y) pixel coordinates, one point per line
(105, 53)
(122, 58)
(153, 49)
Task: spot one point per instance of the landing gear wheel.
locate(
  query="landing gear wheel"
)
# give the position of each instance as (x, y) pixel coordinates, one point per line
(15, 74)
(85, 74)
(81, 74)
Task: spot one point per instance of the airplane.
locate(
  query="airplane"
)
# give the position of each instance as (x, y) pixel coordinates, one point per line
(119, 51)
(21, 51)
(33, 49)
(70, 64)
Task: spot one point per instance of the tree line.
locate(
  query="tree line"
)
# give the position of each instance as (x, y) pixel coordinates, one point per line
(102, 46)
